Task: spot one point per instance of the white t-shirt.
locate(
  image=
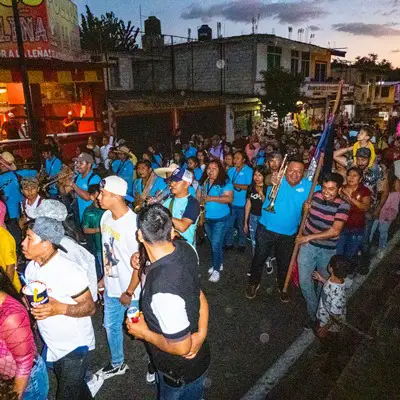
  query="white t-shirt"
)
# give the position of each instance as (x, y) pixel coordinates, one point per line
(84, 259)
(64, 279)
(119, 243)
(25, 206)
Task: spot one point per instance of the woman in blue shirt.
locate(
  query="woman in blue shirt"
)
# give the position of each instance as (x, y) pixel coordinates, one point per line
(216, 194)
(193, 166)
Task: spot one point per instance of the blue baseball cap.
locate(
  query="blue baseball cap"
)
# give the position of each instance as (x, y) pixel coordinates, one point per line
(181, 174)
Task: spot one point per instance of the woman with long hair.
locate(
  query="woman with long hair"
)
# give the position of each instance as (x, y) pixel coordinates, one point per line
(255, 199)
(202, 156)
(19, 361)
(216, 194)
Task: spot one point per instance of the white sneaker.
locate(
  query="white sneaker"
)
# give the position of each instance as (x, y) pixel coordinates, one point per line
(95, 384)
(109, 371)
(380, 253)
(221, 268)
(150, 378)
(214, 277)
(210, 270)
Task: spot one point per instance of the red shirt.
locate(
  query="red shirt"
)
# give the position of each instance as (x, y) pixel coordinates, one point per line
(356, 220)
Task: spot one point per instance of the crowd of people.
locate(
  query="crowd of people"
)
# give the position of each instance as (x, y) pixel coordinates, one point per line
(122, 230)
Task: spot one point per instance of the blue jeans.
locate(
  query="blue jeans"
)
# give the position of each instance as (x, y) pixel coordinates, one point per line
(312, 258)
(216, 230)
(114, 314)
(38, 384)
(253, 222)
(236, 219)
(191, 391)
(383, 232)
(349, 243)
(99, 265)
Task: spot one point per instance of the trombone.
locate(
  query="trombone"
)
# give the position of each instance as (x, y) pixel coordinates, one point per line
(275, 188)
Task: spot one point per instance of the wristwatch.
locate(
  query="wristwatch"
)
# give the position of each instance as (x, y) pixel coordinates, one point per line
(128, 293)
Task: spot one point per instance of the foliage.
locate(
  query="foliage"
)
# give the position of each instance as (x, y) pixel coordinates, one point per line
(371, 62)
(107, 33)
(282, 90)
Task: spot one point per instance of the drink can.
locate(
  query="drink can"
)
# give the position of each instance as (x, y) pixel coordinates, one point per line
(36, 293)
(133, 314)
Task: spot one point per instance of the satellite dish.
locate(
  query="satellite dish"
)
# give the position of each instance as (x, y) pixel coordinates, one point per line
(220, 64)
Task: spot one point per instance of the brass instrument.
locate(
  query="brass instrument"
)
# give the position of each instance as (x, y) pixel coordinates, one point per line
(142, 200)
(203, 195)
(275, 188)
(63, 178)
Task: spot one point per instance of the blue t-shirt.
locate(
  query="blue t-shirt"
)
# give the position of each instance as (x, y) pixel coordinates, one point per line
(198, 173)
(159, 185)
(190, 152)
(216, 210)
(12, 193)
(83, 183)
(125, 170)
(242, 177)
(288, 207)
(27, 173)
(53, 167)
(185, 207)
(158, 161)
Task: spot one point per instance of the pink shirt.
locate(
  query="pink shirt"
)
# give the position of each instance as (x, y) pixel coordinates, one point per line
(391, 207)
(3, 210)
(17, 345)
(252, 153)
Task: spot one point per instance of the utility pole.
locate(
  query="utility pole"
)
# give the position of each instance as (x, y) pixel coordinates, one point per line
(32, 126)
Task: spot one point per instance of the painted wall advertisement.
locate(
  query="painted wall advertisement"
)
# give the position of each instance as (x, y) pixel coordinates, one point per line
(49, 29)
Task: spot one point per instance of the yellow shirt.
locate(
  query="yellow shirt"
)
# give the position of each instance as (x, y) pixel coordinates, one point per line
(370, 146)
(8, 254)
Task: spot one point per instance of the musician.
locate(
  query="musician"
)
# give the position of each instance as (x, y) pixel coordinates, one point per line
(52, 167)
(241, 176)
(326, 219)
(185, 209)
(216, 194)
(9, 184)
(123, 167)
(70, 124)
(276, 231)
(82, 182)
(144, 173)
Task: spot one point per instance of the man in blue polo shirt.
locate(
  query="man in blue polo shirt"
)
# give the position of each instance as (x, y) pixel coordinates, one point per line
(241, 176)
(53, 167)
(277, 231)
(185, 209)
(123, 167)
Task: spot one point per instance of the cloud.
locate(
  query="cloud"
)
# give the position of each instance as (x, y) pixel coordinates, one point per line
(361, 29)
(395, 51)
(314, 28)
(288, 12)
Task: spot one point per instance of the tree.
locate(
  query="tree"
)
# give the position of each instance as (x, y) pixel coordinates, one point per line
(282, 90)
(107, 33)
(370, 63)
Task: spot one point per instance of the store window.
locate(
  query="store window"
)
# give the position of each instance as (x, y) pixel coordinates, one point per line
(305, 64)
(294, 62)
(274, 57)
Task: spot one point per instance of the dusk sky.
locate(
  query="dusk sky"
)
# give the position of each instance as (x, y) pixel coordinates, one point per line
(364, 26)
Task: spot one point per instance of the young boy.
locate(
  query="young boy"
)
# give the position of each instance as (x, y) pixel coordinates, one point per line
(91, 227)
(332, 304)
(364, 140)
(32, 199)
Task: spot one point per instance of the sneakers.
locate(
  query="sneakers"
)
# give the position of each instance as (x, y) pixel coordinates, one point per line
(211, 269)
(214, 277)
(252, 291)
(109, 371)
(95, 383)
(150, 378)
(269, 267)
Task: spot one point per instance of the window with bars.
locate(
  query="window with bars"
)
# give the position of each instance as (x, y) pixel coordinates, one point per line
(274, 57)
(305, 64)
(320, 71)
(294, 62)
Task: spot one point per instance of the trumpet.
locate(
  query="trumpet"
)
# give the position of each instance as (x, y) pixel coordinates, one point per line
(275, 188)
(203, 195)
(142, 200)
(62, 177)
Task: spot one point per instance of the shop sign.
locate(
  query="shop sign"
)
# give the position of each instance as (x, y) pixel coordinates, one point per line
(323, 90)
(49, 29)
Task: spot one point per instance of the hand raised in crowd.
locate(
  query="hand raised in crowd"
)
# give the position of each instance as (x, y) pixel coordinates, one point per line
(300, 239)
(50, 309)
(137, 329)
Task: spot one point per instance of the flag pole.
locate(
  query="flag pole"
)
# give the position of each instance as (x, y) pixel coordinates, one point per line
(310, 195)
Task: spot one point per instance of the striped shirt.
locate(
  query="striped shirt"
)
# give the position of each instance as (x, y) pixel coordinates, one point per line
(322, 216)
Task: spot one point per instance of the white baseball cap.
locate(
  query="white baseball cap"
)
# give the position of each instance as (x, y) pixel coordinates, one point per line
(116, 185)
(181, 174)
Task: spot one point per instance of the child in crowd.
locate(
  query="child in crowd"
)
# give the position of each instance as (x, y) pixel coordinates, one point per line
(364, 140)
(32, 200)
(91, 227)
(387, 215)
(332, 305)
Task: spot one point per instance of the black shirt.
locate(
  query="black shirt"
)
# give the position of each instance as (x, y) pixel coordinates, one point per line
(255, 200)
(171, 303)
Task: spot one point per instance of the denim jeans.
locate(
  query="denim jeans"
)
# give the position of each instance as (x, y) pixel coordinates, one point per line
(253, 222)
(191, 391)
(38, 384)
(267, 244)
(99, 265)
(349, 243)
(383, 232)
(216, 230)
(236, 219)
(70, 372)
(312, 258)
(114, 314)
